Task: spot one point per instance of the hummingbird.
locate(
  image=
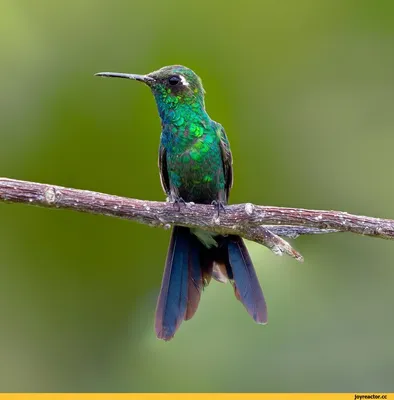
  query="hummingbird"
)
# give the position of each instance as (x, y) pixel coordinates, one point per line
(195, 165)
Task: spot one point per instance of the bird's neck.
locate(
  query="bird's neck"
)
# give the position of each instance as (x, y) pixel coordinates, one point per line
(180, 110)
(183, 118)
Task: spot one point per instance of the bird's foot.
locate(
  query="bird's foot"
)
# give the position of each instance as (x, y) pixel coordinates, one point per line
(219, 205)
(177, 201)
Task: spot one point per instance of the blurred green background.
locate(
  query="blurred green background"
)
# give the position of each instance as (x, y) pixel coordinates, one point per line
(305, 90)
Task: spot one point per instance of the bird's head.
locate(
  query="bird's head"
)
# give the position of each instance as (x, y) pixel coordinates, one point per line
(171, 86)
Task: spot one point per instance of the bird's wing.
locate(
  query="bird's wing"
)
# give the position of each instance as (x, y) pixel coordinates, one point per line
(227, 159)
(164, 179)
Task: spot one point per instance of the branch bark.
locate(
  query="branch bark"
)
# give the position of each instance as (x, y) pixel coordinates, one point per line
(261, 224)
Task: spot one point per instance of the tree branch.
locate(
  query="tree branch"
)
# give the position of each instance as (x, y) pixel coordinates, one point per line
(261, 224)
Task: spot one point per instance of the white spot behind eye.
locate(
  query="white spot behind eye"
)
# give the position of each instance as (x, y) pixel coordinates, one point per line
(184, 81)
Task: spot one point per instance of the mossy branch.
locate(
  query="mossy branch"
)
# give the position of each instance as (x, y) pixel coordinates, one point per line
(261, 224)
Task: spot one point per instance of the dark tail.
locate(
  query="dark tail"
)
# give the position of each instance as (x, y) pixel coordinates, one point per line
(244, 279)
(182, 283)
(189, 267)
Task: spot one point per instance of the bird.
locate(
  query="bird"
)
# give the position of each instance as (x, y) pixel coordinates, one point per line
(195, 165)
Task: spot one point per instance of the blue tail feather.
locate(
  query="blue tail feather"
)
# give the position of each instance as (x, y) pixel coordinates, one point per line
(172, 302)
(245, 281)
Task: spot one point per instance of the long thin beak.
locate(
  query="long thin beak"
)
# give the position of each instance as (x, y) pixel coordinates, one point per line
(142, 78)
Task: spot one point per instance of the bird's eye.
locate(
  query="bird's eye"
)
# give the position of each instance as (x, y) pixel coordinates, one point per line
(174, 80)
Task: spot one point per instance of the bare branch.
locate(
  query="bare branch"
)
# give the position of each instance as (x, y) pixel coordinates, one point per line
(262, 224)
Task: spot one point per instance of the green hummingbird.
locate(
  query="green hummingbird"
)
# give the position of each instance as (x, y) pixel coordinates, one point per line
(195, 164)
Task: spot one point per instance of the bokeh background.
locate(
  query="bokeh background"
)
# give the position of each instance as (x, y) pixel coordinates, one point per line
(305, 90)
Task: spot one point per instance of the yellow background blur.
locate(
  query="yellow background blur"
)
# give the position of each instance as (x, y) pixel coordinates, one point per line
(305, 90)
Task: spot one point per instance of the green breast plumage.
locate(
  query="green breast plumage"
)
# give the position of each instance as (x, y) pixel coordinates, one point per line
(194, 161)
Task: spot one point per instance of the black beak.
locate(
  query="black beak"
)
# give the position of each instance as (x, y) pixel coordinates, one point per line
(141, 78)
